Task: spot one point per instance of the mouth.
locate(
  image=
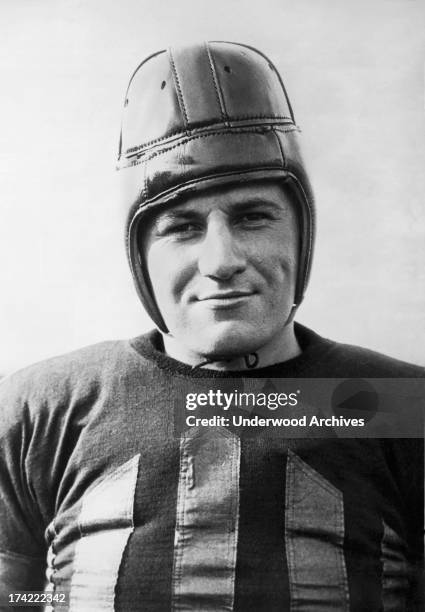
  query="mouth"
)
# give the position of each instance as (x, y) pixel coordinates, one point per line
(225, 299)
(224, 295)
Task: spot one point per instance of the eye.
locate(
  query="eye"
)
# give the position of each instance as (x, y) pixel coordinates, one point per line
(253, 218)
(185, 227)
(177, 229)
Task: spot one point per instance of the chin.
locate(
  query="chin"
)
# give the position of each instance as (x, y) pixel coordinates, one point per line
(228, 340)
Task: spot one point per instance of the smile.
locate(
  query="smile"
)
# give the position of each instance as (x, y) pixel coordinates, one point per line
(225, 299)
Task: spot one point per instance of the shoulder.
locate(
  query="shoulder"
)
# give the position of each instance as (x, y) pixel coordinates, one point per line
(78, 365)
(63, 379)
(328, 359)
(350, 360)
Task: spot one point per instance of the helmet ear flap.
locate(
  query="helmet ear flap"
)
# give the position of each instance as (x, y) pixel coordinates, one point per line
(139, 269)
(303, 206)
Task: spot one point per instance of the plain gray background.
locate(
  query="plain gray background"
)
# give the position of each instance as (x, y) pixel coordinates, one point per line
(354, 74)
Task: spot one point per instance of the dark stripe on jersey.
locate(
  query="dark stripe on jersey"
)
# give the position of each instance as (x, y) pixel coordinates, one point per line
(261, 547)
(145, 574)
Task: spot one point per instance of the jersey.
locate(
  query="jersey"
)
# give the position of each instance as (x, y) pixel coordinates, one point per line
(100, 495)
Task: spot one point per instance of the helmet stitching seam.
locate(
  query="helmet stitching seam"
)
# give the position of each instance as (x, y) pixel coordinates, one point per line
(279, 144)
(179, 90)
(197, 137)
(220, 99)
(176, 133)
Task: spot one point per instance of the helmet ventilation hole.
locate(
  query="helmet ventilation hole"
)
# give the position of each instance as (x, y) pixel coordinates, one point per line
(163, 84)
(227, 69)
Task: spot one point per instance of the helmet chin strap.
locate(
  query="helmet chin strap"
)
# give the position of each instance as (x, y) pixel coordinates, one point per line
(251, 359)
(291, 314)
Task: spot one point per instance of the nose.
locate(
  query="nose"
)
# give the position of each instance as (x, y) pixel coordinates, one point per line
(220, 257)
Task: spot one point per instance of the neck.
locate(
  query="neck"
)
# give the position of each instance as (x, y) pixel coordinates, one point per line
(282, 347)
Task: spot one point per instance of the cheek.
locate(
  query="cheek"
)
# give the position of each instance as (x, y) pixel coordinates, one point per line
(169, 270)
(276, 250)
(277, 266)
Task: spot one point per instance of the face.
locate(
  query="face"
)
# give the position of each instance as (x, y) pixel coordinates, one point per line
(223, 268)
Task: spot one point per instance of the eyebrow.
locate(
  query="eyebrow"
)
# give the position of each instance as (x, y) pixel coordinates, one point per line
(170, 215)
(190, 210)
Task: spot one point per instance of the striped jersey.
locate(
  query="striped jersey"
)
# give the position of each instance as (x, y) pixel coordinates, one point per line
(103, 500)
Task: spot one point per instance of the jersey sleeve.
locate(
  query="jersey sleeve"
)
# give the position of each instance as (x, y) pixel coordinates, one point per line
(406, 459)
(22, 543)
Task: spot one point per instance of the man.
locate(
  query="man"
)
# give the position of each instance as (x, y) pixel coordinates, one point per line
(95, 482)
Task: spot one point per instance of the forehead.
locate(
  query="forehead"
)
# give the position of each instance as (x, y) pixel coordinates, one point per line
(234, 197)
